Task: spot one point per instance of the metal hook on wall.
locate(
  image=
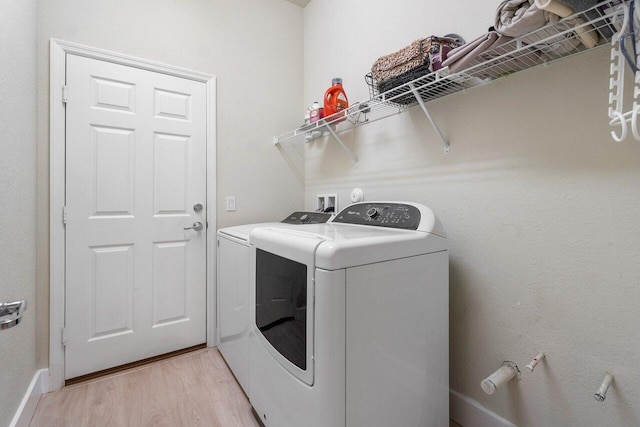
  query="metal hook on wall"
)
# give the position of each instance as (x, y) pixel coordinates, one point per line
(11, 313)
(618, 118)
(616, 81)
(634, 121)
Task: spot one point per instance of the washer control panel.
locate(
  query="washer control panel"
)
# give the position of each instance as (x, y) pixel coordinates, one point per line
(307, 218)
(393, 215)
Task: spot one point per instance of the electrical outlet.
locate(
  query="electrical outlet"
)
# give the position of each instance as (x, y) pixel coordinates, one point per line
(231, 203)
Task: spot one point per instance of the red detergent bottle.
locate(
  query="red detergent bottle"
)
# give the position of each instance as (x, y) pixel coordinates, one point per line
(335, 99)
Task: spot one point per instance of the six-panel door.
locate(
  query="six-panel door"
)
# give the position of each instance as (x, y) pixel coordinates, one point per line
(136, 167)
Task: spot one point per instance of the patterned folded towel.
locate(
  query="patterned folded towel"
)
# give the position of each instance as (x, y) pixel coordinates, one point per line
(430, 51)
(397, 63)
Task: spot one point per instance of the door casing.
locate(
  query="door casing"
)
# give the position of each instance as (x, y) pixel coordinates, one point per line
(58, 51)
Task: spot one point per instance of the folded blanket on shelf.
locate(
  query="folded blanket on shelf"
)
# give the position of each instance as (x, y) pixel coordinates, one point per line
(465, 56)
(520, 19)
(585, 31)
(515, 18)
(580, 5)
(584, 5)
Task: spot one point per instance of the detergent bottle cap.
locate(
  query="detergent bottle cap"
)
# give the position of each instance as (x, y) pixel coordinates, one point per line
(336, 81)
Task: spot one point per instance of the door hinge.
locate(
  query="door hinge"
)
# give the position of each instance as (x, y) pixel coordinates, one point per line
(65, 94)
(64, 337)
(65, 215)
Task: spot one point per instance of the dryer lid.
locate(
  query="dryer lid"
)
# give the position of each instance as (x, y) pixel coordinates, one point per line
(242, 232)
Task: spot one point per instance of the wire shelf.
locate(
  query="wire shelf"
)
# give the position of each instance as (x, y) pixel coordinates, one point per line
(586, 30)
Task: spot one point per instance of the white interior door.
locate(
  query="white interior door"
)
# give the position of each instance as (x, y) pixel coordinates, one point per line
(135, 172)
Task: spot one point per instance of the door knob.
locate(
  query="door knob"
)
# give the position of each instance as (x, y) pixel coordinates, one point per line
(197, 226)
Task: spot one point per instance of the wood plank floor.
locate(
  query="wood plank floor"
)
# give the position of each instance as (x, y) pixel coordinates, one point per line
(193, 389)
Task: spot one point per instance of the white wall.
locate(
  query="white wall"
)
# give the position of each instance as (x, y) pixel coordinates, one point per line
(17, 197)
(540, 205)
(253, 47)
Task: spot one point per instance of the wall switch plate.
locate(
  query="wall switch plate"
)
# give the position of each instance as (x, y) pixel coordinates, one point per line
(231, 203)
(327, 203)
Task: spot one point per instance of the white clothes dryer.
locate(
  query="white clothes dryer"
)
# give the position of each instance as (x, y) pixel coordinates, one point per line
(350, 320)
(233, 316)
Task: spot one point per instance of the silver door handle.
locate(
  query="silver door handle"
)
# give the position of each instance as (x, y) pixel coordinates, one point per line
(197, 226)
(11, 313)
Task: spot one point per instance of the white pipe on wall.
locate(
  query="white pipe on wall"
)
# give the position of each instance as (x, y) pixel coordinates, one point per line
(531, 366)
(503, 375)
(601, 394)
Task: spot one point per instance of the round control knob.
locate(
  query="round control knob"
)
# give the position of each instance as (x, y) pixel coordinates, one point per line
(373, 212)
(304, 217)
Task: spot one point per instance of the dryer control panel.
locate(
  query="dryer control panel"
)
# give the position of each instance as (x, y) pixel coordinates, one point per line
(393, 215)
(307, 218)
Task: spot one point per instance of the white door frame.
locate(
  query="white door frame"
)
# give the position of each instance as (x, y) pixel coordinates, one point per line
(58, 51)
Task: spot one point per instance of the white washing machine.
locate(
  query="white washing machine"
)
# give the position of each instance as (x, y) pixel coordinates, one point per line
(233, 290)
(350, 323)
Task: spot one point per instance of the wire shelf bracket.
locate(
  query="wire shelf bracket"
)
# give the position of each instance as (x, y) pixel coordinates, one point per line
(353, 157)
(422, 104)
(330, 124)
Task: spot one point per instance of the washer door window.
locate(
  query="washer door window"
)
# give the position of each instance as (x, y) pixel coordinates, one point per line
(281, 309)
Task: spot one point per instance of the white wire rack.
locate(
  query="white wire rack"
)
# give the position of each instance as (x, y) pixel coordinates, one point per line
(622, 120)
(574, 34)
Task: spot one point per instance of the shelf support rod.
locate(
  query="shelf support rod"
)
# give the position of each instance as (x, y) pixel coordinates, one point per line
(299, 174)
(344, 147)
(416, 94)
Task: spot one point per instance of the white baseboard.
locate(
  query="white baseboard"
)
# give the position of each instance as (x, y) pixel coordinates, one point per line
(469, 413)
(39, 385)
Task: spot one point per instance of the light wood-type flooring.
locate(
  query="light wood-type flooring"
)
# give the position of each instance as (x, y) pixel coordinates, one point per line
(190, 390)
(193, 389)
